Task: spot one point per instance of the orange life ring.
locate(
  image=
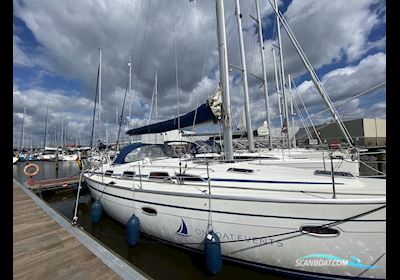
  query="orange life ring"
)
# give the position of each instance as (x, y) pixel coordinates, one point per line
(31, 174)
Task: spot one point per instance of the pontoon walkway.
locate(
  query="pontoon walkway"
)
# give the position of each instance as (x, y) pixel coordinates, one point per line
(47, 246)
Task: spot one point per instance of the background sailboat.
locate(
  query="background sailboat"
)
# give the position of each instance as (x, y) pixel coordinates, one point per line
(265, 216)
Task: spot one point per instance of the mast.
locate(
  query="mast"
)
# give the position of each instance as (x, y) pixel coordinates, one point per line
(45, 129)
(116, 122)
(277, 86)
(261, 39)
(285, 110)
(66, 130)
(130, 94)
(156, 93)
(106, 133)
(244, 76)
(62, 133)
(153, 100)
(130, 85)
(23, 131)
(100, 94)
(177, 87)
(292, 111)
(224, 78)
(151, 104)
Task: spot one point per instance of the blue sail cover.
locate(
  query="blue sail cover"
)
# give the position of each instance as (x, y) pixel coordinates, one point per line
(204, 114)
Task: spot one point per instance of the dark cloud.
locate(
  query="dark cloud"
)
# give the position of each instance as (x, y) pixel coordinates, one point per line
(69, 34)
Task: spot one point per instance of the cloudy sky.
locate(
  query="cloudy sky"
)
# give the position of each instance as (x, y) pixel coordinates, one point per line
(56, 56)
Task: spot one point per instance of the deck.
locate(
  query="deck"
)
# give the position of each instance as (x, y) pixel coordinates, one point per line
(47, 246)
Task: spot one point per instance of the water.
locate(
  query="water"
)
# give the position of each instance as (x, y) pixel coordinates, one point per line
(47, 170)
(156, 259)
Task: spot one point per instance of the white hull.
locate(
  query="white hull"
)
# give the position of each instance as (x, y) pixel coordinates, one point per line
(69, 157)
(246, 214)
(47, 157)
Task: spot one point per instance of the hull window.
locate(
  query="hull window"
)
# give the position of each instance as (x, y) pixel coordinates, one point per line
(149, 211)
(241, 170)
(320, 231)
(108, 173)
(159, 176)
(335, 173)
(128, 174)
(189, 178)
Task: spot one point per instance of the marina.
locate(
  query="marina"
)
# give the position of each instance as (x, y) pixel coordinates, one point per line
(149, 253)
(246, 142)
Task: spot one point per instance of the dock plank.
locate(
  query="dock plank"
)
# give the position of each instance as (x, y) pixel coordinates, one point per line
(42, 249)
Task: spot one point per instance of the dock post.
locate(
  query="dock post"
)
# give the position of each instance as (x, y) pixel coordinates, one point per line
(56, 161)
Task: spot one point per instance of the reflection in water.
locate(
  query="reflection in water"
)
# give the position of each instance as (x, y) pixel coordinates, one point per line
(156, 259)
(47, 170)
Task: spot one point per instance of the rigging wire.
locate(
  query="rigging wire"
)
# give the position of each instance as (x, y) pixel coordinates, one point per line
(134, 42)
(133, 50)
(203, 70)
(317, 82)
(305, 109)
(341, 103)
(140, 54)
(353, 97)
(144, 34)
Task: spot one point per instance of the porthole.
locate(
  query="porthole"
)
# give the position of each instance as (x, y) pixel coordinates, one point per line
(240, 170)
(320, 231)
(149, 211)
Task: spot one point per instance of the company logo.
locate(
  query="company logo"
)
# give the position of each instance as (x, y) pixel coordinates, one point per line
(183, 229)
(330, 260)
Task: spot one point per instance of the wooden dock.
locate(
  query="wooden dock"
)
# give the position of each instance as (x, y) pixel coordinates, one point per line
(47, 246)
(53, 184)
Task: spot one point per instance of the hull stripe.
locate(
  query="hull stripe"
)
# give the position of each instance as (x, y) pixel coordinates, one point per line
(380, 201)
(245, 180)
(271, 182)
(229, 213)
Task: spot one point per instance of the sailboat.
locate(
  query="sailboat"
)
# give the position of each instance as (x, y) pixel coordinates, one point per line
(322, 224)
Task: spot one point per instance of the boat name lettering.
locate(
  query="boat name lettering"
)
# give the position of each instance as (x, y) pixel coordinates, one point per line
(223, 236)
